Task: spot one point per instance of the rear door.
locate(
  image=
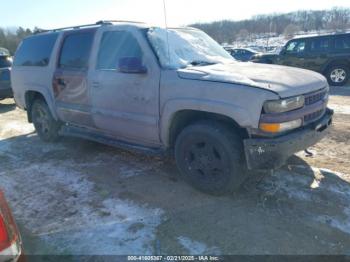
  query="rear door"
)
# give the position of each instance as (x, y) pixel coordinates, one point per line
(70, 84)
(125, 105)
(318, 53)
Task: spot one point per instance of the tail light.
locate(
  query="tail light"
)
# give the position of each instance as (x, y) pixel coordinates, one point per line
(10, 242)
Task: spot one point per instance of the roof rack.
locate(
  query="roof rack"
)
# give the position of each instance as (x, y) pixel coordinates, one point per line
(99, 23)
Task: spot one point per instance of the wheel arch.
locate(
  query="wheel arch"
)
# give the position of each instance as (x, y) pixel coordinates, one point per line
(179, 113)
(30, 96)
(335, 62)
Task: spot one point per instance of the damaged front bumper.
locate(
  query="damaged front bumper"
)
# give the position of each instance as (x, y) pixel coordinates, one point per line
(272, 153)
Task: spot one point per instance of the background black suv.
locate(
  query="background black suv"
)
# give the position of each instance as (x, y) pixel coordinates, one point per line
(326, 54)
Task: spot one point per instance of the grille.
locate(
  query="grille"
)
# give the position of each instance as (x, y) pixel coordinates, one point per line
(313, 116)
(315, 97)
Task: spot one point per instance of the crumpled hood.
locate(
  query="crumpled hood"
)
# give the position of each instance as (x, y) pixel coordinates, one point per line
(286, 81)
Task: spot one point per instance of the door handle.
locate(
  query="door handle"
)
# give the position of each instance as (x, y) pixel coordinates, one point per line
(61, 82)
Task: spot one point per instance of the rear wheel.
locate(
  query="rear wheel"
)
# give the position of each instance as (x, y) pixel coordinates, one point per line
(338, 75)
(210, 157)
(45, 125)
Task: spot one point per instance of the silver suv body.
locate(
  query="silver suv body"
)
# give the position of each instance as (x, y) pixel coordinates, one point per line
(174, 90)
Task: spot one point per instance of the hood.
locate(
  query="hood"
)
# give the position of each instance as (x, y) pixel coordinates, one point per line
(283, 80)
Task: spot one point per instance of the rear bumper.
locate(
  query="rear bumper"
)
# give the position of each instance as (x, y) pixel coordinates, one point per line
(272, 153)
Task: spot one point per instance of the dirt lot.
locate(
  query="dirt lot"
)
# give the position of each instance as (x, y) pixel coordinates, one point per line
(79, 197)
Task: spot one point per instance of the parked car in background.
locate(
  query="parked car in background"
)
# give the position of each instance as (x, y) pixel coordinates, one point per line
(5, 70)
(242, 54)
(10, 239)
(326, 54)
(122, 84)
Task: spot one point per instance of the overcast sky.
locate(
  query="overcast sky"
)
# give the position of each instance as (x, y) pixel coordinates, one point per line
(58, 13)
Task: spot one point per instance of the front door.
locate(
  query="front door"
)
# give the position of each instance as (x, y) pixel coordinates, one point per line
(70, 84)
(125, 104)
(293, 54)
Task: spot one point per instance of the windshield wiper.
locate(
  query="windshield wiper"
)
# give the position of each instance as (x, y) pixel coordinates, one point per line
(201, 63)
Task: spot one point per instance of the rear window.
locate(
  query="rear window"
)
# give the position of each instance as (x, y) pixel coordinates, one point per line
(342, 43)
(76, 50)
(35, 51)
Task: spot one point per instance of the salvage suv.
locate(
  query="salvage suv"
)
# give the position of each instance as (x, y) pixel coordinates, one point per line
(171, 91)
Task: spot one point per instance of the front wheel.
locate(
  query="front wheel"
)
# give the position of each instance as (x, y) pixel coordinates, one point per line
(210, 157)
(338, 75)
(45, 125)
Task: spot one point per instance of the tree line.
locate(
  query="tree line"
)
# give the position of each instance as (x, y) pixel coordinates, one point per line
(226, 31)
(10, 39)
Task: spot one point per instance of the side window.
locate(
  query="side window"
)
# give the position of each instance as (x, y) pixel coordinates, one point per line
(320, 45)
(75, 52)
(114, 46)
(35, 50)
(295, 47)
(342, 43)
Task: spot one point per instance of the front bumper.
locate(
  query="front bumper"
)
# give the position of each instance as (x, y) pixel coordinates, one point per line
(272, 153)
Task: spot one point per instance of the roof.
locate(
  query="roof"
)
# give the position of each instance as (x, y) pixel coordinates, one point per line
(97, 24)
(321, 35)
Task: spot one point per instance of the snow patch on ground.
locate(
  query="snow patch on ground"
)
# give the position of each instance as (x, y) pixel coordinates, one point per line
(328, 183)
(15, 126)
(62, 207)
(340, 109)
(197, 248)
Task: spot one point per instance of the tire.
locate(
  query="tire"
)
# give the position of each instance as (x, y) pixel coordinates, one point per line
(338, 75)
(45, 125)
(210, 158)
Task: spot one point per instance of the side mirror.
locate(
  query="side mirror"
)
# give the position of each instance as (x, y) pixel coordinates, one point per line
(131, 65)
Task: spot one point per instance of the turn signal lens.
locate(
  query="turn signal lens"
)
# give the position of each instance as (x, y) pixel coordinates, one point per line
(270, 128)
(280, 127)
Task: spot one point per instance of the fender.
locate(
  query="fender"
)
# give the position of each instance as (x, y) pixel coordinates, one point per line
(240, 115)
(45, 92)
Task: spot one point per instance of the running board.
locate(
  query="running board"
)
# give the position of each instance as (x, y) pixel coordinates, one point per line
(80, 132)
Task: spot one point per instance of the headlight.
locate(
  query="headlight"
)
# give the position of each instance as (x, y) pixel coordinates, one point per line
(284, 105)
(280, 127)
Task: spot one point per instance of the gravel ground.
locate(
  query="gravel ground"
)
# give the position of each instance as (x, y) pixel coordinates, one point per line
(79, 197)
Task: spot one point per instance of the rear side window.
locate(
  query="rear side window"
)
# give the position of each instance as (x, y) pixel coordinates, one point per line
(35, 51)
(342, 43)
(116, 45)
(75, 52)
(320, 45)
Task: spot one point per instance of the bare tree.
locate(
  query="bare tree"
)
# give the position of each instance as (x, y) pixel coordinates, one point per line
(291, 30)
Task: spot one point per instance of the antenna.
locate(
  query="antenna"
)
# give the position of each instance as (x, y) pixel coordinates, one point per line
(166, 28)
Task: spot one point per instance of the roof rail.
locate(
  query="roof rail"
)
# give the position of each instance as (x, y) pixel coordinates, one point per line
(99, 23)
(118, 21)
